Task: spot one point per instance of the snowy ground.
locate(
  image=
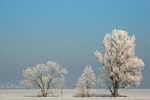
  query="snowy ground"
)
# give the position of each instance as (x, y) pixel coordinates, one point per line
(29, 94)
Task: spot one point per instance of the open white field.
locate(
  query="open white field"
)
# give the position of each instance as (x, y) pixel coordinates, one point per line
(30, 94)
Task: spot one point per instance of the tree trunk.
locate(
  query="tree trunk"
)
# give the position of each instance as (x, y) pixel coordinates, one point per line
(115, 94)
(61, 93)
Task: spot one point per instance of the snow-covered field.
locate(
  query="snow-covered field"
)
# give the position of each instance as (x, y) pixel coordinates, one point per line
(30, 94)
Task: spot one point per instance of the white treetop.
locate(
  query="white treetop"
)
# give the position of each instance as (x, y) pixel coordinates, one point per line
(86, 81)
(121, 68)
(44, 76)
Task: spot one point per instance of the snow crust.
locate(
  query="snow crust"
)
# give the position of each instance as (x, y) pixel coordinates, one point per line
(30, 94)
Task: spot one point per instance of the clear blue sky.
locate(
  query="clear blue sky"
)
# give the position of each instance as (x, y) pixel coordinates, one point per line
(67, 31)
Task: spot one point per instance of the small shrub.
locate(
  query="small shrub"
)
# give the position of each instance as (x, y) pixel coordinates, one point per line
(3, 96)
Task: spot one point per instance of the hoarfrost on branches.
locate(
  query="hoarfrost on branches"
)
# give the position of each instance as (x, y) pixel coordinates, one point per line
(121, 68)
(85, 82)
(61, 84)
(44, 76)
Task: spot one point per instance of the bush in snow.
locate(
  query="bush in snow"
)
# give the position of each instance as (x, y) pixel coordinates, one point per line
(121, 68)
(44, 76)
(3, 96)
(85, 82)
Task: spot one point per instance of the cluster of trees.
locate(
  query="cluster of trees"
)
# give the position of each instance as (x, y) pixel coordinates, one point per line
(45, 77)
(120, 69)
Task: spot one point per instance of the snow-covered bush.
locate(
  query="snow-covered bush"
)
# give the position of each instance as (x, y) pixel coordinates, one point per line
(86, 82)
(3, 96)
(121, 68)
(44, 76)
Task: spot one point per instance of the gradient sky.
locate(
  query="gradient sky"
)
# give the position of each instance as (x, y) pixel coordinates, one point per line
(67, 32)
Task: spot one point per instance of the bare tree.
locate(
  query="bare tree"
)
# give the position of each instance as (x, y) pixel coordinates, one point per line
(44, 76)
(121, 69)
(86, 82)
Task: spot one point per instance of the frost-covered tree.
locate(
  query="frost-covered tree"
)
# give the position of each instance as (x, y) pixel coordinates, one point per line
(44, 76)
(121, 68)
(61, 84)
(85, 82)
(81, 88)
